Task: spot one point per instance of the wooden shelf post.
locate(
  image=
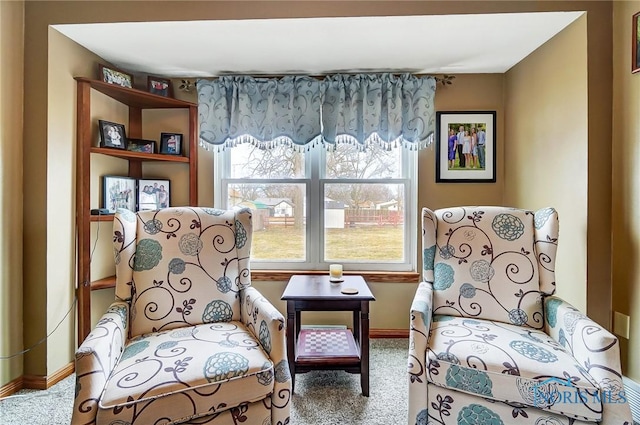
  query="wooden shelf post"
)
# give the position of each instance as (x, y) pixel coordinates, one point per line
(136, 100)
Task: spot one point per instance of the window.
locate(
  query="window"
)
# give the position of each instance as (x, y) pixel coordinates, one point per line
(320, 206)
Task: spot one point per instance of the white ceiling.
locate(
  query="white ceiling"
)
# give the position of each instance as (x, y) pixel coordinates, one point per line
(434, 44)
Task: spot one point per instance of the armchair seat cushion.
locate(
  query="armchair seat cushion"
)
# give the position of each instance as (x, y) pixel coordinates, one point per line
(217, 366)
(509, 363)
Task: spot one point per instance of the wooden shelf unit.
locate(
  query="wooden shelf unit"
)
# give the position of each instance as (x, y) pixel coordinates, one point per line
(104, 283)
(139, 156)
(137, 101)
(106, 217)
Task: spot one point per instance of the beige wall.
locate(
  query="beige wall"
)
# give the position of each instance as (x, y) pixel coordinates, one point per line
(66, 59)
(11, 96)
(35, 200)
(483, 92)
(47, 284)
(626, 184)
(546, 129)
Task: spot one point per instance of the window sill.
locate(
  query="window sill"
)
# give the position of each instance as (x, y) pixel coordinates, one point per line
(369, 276)
(285, 275)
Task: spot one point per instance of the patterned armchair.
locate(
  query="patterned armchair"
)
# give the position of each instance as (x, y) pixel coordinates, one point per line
(489, 343)
(188, 340)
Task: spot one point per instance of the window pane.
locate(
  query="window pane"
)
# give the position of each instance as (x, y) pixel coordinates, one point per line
(348, 162)
(281, 162)
(278, 218)
(364, 222)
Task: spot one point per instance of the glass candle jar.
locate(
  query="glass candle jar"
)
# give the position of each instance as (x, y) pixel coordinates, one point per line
(335, 271)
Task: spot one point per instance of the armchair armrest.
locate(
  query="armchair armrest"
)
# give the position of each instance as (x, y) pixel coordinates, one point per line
(96, 358)
(595, 349)
(268, 325)
(420, 322)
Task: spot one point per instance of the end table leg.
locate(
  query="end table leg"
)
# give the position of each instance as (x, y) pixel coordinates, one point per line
(291, 341)
(364, 347)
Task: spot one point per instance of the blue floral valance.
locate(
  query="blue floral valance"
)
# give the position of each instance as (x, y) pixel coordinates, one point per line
(299, 110)
(260, 110)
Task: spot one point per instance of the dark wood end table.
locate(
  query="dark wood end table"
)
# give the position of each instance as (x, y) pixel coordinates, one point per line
(328, 349)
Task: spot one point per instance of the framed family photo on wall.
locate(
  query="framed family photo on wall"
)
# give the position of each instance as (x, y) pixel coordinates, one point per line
(466, 147)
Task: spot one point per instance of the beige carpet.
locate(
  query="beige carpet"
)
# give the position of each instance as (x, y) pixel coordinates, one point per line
(321, 398)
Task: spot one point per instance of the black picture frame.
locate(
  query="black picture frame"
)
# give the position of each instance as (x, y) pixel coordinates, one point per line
(153, 194)
(111, 75)
(635, 43)
(118, 192)
(457, 170)
(112, 135)
(171, 143)
(159, 86)
(141, 145)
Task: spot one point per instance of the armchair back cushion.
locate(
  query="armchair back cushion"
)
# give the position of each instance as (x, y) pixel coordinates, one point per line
(493, 263)
(163, 265)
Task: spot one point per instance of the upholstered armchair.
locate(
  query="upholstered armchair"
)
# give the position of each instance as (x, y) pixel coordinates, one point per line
(188, 340)
(489, 343)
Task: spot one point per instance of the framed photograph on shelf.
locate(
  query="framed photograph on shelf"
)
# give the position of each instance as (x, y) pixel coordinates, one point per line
(159, 86)
(118, 192)
(115, 76)
(112, 135)
(635, 43)
(141, 145)
(466, 147)
(171, 143)
(153, 194)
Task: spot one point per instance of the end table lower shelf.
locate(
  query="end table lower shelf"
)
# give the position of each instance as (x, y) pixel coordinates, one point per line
(330, 346)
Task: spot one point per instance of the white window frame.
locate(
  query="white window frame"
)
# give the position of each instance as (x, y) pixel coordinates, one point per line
(315, 183)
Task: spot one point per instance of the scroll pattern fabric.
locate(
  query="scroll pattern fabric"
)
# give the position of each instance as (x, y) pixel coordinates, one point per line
(189, 340)
(361, 109)
(485, 264)
(482, 351)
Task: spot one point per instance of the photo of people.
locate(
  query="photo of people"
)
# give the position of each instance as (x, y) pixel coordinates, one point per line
(141, 145)
(171, 143)
(112, 135)
(119, 192)
(153, 194)
(466, 147)
(159, 86)
(118, 78)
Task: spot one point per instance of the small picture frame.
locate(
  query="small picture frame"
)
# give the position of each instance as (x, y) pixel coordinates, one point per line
(112, 135)
(159, 86)
(635, 43)
(171, 143)
(115, 76)
(141, 145)
(118, 192)
(153, 194)
(466, 147)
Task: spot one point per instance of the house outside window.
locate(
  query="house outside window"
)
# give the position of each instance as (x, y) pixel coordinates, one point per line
(317, 206)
